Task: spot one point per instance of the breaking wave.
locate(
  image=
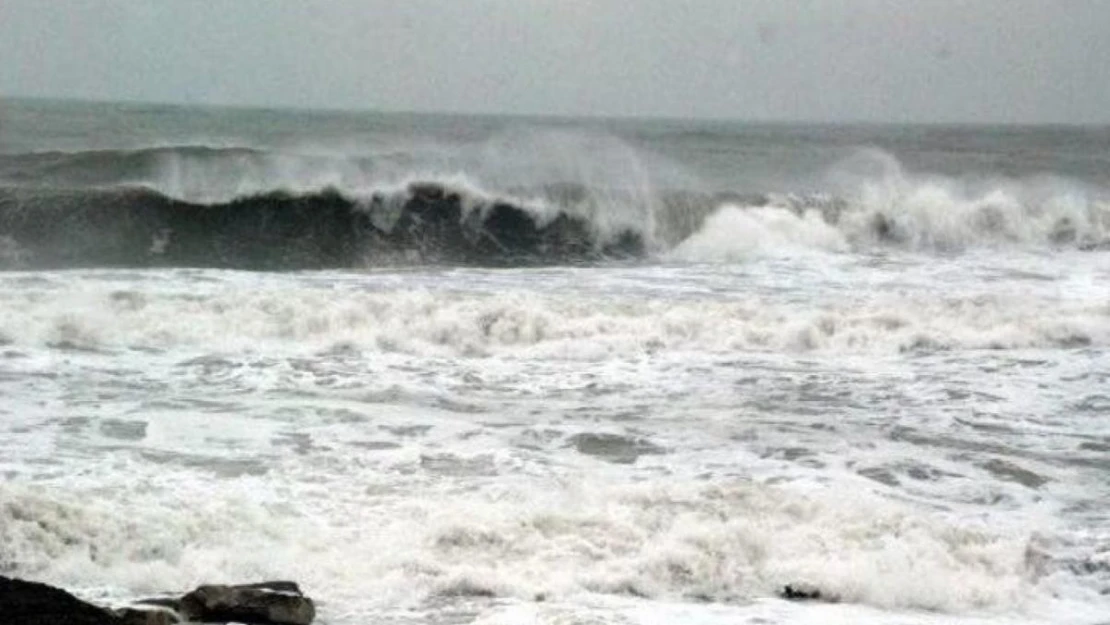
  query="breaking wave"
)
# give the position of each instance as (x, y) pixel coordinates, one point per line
(246, 208)
(517, 324)
(673, 540)
(419, 222)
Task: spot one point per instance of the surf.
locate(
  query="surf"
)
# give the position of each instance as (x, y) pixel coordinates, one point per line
(525, 199)
(422, 222)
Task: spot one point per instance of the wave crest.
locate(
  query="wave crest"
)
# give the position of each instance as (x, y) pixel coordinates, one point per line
(417, 222)
(513, 324)
(675, 540)
(247, 208)
(879, 204)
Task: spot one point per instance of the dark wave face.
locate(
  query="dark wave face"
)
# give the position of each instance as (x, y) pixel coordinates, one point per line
(402, 196)
(425, 222)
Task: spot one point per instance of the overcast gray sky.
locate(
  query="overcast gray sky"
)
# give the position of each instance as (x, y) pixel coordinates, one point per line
(825, 60)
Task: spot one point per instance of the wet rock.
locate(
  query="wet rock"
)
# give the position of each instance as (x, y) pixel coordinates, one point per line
(268, 603)
(467, 588)
(30, 603)
(151, 615)
(803, 592)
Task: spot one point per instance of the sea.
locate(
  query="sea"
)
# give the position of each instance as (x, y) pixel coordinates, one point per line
(447, 369)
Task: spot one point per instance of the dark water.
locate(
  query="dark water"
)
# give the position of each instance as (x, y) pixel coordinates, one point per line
(85, 185)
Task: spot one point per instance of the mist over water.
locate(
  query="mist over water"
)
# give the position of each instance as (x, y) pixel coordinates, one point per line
(501, 370)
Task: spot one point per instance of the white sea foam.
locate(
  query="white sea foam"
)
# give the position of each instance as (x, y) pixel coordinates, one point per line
(917, 212)
(536, 325)
(724, 543)
(735, 233)
(396, 446)
(927, 211)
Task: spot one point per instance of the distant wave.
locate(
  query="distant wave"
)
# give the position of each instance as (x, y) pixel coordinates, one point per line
(248, 208)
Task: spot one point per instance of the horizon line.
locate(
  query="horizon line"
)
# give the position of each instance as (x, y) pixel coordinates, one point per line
(597, 117)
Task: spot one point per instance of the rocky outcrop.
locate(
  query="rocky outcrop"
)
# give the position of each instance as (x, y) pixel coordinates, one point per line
(267, 603)
(29, 603)
(147, 615)
(805, 592)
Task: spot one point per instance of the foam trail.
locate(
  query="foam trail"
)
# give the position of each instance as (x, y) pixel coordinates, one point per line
(723, 543)
(226, 315)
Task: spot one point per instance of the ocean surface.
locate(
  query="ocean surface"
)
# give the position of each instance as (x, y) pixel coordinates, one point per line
(496, 370)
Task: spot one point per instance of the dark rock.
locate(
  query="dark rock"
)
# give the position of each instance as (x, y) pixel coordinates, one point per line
(466, 588)
(803, 592)
(147, 616)
(268, 603)
(30, 603)
(275, 586)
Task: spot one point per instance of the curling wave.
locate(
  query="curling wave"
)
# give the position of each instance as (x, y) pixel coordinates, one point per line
(418, 222)
(240, 207)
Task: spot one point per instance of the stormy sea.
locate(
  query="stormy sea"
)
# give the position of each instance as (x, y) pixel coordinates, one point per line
(445, 369)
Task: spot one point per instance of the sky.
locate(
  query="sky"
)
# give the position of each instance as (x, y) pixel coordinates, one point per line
(1007, 61)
